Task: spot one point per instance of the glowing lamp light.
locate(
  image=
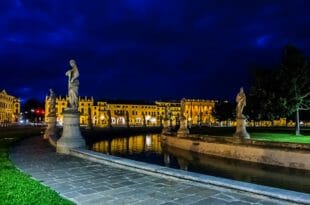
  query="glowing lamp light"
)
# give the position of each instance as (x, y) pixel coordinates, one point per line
(148, 140)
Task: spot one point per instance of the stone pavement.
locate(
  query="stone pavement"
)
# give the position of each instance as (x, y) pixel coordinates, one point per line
(86, 182)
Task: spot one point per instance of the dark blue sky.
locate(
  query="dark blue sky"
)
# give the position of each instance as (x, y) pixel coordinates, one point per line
(145, 49)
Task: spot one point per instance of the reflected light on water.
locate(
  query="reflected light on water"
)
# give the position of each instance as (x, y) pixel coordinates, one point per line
(150, 149)
(131, 145)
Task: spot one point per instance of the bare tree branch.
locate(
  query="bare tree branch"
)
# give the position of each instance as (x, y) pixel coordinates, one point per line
(306, 95)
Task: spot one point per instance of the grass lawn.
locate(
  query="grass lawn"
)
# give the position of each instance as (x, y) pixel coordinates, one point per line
(16, 187)
(281, 137)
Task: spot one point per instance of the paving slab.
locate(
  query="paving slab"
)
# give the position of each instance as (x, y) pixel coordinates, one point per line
(87, 182)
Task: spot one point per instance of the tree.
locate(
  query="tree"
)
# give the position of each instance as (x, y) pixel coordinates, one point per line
(295, 83)
(283, 91)
(223, 111)
(264, 97)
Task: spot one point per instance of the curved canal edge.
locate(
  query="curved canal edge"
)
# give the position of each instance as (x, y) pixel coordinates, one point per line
(278, 154)
(143, 167)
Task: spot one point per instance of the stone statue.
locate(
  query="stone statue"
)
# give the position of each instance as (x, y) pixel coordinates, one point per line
(73, 85)
(71, 134)
(241, 103)
(183, 130)
(52, 101)
(182, 108)
(50, 131)
(167, 112)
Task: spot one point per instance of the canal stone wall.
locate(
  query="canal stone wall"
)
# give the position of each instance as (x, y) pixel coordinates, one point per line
(281, 154)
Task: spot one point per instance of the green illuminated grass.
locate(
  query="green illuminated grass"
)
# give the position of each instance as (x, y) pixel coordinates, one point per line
(281, 137)
(16, 187)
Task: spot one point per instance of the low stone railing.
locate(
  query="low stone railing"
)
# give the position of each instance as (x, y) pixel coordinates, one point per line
(278, 154)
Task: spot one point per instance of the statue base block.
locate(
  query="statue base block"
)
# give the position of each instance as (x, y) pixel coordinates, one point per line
(241, 132)
(166, 128)
(71, 135)
(183, 131)
(51, 126)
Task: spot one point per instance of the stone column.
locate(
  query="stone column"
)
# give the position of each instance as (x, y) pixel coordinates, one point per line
(51, 126)
(71, 135)
(183, 130)
(241, 132)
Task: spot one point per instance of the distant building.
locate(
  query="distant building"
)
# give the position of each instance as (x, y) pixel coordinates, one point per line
(173, 106)
(199, 112)
(135, 113)
(9, 108)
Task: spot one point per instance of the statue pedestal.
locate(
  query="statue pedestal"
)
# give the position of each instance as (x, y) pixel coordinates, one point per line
(71, 135)
(166, 128)
(51, 126)
(183, 131)
(241, 132)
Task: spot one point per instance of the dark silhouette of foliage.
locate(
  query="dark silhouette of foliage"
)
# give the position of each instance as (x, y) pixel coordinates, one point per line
(282, 91)
(224, 111)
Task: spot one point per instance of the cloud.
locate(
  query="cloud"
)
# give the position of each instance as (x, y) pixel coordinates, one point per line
(156, 45)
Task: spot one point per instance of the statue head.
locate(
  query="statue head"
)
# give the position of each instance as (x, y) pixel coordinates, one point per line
(72, 63)
(241, 90)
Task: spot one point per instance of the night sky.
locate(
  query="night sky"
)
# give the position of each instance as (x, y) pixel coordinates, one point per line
(145, 49)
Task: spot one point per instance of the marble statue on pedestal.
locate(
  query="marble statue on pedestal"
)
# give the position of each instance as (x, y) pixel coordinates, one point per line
(73, 84)
(241, 103)
(52, 102)
(71, 136)
(166, 125)
(51, 117)
(241, 132)
(183, 130)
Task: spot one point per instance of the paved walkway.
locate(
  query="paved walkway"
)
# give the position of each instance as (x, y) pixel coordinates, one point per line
(86, 182)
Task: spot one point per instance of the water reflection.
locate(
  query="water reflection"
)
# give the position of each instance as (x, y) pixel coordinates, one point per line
(149, 148)
(129, 145)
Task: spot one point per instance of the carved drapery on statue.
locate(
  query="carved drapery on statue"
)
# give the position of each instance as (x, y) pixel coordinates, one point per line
(167, 112)
(52, 102)
(183, 130)
(182, 108)
(241, 132)
(241, 103)
(73, 84)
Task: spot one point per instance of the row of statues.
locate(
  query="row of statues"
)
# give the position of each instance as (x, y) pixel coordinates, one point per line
(73, 89)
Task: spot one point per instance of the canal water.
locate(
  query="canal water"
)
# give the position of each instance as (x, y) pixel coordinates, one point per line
(150, 149)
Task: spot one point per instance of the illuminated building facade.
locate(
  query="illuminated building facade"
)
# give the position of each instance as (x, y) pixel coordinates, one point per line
(199, 112)
(9, 108)
(174, 108)
(131, 113)
(86, 108)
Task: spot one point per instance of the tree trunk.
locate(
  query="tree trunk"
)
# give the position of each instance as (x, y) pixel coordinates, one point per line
(297, 127)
